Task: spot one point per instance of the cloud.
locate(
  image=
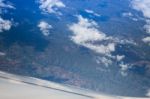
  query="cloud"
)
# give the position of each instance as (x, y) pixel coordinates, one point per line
(4, 5)
(148, 93)
(104, 60)
(123, 68)
(92, 12)
(5, 25)
(144, 7)
(51, 6)
(2, 54)
(119, 57)
(146, 39)
(85, 33)
(44, 28)
(130, 16)
(127, 14)
(147, 26)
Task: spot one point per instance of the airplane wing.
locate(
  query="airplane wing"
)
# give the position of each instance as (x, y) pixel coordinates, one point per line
(22, 87)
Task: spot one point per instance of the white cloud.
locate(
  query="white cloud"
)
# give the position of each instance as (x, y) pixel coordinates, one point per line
(127, 14)
(148, 93)
(146, 39)
(144, 7)
(104, 60)
(119, 57)
(44, 27)
(4, 5)
(123, 68)
(124, 41)
(92, 12)
(51, 6)
(5, 25)
(2, 54)
(102, 49)
(147, 26)
(134, 19)
(85, 33)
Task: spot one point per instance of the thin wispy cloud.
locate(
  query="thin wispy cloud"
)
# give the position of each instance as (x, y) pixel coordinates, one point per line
(6, 5)
(92, 12)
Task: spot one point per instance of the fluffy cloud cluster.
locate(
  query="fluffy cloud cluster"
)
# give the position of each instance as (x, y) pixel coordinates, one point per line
(85, 33)
(51, 6)
(144, 7)
(146, 39)
(4, 24)
(44, 27)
